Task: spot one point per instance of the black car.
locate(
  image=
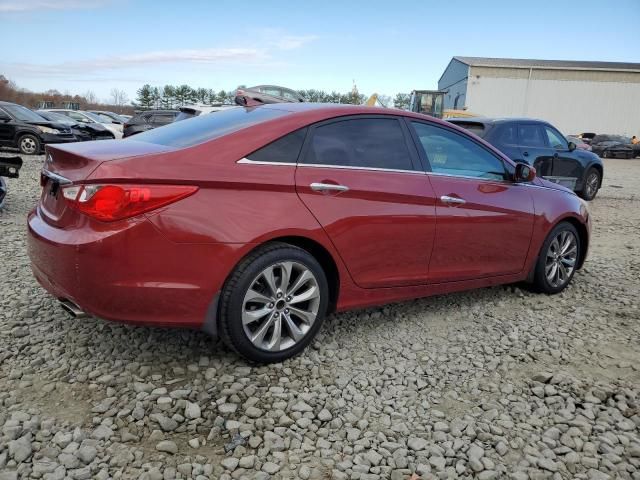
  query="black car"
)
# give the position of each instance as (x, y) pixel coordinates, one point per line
(26, 130)
(143, 121)
(614, 146)
(9, 167)
(540, 144)
(82, 131)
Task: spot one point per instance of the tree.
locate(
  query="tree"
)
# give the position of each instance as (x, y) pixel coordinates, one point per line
(91, 97)
(119, 97)
(145, 98)
(401, 100)
(183, 94)
(202, 95)
(168, 98)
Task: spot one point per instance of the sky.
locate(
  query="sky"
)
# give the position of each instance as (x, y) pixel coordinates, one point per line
(383, 46)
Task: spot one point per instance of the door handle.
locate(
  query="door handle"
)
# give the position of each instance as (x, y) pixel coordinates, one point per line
(452, 200)
(328, 187)
(526, 154)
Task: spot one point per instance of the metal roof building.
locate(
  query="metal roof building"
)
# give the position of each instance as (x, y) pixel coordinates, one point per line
(601, 97)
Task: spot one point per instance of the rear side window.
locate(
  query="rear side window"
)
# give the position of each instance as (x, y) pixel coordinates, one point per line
(208, 127)
(162, 118)
(507, 135)
(284, 150)
(450, 153)
(531, 135)
(473, 127)
(367, 142)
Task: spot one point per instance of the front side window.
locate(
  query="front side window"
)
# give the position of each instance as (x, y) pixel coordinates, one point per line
(77, 116)
(366, 142)
(284, 150)
(531, 135)
(450, 153)
(556, 140)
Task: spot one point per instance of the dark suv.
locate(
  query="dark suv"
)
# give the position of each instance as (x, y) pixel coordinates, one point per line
(26, 130)
(540, 144)
(148, 120)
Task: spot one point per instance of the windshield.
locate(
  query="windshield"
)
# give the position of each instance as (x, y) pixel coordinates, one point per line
(98, 118)
(207, 127)
(23, 114)
(55, 117)
(111, 116)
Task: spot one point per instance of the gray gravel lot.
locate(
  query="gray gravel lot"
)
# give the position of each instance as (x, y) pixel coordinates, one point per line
(495, 383)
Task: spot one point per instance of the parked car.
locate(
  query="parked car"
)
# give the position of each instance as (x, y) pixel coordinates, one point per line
(27, 131)
(279, 214)
(190, 111)
(613, 146)
(115, 117)
(264, 94)
(9, 168)
(148, 120)
(82, 131)
(541, 145)
(586, 137)
(581, 144)
(81, 116)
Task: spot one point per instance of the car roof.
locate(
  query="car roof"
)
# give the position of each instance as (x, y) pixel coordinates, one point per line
(2, 102)
(496, 120)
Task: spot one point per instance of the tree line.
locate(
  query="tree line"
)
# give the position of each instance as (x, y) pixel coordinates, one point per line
(170, 97)
(10, 92)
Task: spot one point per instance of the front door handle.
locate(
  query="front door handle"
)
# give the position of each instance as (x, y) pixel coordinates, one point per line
(328, 187)
(452, 200)
(526, 154)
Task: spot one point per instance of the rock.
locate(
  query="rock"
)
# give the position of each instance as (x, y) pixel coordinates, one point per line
(87, 453)
(417, 444)
(20, 449)
(167, 446)
(230, 463)
(192, 410)
(253, 412)
(325, 415)
(270, 468)
(102, 433)
(227, 408)
(302, 406)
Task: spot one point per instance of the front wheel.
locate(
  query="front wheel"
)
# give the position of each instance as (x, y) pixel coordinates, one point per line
(591, 184)
(558, 259)
(273, 304)
(29, 144)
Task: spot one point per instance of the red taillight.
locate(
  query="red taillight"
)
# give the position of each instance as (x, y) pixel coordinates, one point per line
(116, 202)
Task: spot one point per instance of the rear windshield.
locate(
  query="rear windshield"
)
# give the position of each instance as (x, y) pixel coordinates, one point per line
(207, 127)
(473, 127)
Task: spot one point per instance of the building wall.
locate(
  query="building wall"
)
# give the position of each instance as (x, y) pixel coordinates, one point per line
(454, 79)
(574, 101)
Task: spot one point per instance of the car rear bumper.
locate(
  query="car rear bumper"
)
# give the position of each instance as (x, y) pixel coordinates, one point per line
(131, 272)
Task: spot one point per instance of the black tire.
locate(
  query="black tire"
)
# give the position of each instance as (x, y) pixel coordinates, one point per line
(588, 192)
(3, 191)
(606, 154)
(29, 144)
(230, 313)
(541, 282)
(630, 155)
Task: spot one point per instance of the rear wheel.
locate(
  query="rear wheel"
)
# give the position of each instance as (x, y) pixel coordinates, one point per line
(591, 184)
(3, 191)
(29, 144)
(558, 259)
(273, 304)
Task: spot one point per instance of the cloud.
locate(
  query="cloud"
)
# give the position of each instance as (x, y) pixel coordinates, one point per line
(119, 62)
(17, 6)
(292, 42)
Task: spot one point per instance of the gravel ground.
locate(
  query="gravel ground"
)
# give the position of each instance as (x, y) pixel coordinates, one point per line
(495, 383)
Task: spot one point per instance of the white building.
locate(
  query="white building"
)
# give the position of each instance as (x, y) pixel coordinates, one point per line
(600, 97)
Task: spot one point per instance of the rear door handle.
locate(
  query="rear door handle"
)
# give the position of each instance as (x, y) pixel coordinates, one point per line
(452, 200)
(328, 187)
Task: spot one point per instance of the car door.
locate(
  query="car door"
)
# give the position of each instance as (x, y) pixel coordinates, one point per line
(484, 220)
(566, 163)
(7, 128)
(361, 179)
(534, 148)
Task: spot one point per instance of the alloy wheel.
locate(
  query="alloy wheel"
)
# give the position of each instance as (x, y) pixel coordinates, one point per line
(561, 258)
(28, 145)
(280, 306)
(592, 184)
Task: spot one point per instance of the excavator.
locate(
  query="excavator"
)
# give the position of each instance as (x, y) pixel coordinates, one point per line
(428, 102)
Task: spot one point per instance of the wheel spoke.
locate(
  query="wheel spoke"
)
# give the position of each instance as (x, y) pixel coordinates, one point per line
(276, 335)
(312, 292)
(294, 331)
(306, 317)
(552, 272)
(304, 277)
(257, 338)
(270, 279)
(285, 269)
(254, 296)
(250, 316)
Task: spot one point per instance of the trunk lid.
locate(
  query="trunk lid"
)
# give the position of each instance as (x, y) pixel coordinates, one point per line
(72, 163)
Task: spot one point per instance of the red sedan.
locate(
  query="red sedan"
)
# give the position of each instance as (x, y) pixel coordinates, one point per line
(254, 223)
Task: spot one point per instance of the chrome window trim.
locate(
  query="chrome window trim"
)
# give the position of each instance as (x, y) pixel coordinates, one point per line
(438, 174)
(246, 161)
(55, 177)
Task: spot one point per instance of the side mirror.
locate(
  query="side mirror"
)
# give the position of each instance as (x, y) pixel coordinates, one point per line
(5, 118)
(572, 146)
(524, 173)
